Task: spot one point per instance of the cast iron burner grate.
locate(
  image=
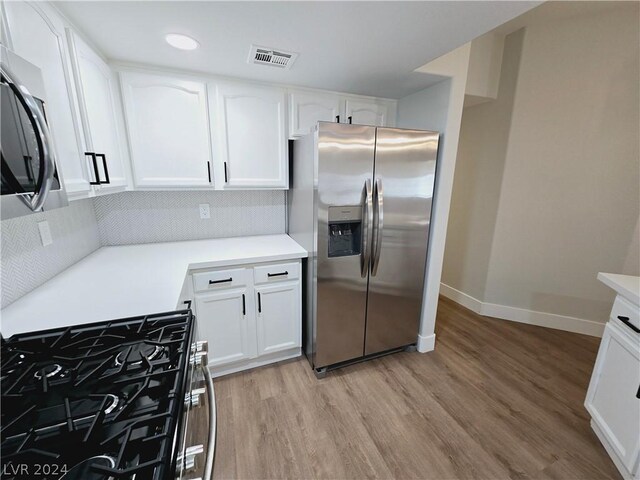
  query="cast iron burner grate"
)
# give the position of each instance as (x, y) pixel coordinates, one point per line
(97, 401)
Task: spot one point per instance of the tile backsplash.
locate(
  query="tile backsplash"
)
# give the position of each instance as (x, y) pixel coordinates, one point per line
(26, 264)
(126, 218)
(152, 217)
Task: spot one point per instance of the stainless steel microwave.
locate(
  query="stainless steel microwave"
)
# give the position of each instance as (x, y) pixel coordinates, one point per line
(31, 181)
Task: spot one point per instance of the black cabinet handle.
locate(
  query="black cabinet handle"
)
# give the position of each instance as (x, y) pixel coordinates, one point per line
(259, 303)
(94, 162)
(226, 179)
(638, 392)
(350, 118)
(213, 282)
(337, 118)
(187, 303)
(106, 168)
(628, 323)
(277, 274)
(209, 171)
(244, 306)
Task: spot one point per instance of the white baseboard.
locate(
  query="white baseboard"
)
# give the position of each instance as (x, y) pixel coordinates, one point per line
(522, 315)
(427, 343)
(460, 297)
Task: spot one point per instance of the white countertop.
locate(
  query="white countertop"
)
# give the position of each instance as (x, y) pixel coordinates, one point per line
(130, 280)
(626, 285)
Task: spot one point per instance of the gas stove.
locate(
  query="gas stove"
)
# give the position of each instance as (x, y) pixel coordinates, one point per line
(99, 401)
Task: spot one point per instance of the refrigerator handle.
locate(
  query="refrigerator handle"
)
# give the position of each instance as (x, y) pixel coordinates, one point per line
(378, 222)
(367, 221)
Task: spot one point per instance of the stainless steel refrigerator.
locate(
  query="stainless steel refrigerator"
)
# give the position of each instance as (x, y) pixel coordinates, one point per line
(360, 203)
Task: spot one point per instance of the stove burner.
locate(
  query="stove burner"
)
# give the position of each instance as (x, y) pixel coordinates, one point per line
(137, 352)
(83, 471)
(66, 401)
(113, 404)
(48, 371)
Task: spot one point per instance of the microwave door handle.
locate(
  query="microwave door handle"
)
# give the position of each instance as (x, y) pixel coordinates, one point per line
(367, 221)
(43, 138)
(378, 224)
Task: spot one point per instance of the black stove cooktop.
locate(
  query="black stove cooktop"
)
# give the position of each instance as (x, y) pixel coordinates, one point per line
(97, 401)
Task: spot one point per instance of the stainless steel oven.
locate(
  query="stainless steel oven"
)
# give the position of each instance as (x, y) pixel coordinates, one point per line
(198, 437)
(30, 180)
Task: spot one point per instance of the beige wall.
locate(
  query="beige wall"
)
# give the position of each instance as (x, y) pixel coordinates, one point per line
(547, 183)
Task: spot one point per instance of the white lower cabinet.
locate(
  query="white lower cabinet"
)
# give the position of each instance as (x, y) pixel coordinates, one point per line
(223, 321)
(250, 315)
(278, 319)
(613, 398)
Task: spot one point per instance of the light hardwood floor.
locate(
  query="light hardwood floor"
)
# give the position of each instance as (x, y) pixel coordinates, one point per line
(496, 399)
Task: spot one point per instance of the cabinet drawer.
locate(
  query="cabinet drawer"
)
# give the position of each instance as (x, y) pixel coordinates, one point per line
(276, 273)
(623, 309)
(219, 279)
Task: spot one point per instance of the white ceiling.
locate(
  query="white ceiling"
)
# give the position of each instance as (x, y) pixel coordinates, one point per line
(370, 48)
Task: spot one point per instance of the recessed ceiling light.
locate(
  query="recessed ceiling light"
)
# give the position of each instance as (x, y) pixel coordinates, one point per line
(183, 42)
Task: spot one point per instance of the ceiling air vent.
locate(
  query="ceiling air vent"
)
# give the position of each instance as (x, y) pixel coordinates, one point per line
(270, 56)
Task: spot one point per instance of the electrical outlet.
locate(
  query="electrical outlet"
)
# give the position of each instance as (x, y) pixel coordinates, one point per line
(204, 211)
(45, 233)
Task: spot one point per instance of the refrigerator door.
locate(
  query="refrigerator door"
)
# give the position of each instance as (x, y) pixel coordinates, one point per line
(345, 172)
(405, 167)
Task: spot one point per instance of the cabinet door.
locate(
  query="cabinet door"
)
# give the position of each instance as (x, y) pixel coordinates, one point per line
(307, 109)
(365, 113)
(250, 133)
(96, 93)
(168, 130)
(612, 398)
(37, 35)
(278, 317)
(226, 323)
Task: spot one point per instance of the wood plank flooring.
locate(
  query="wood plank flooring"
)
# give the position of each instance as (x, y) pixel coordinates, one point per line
(496, 399)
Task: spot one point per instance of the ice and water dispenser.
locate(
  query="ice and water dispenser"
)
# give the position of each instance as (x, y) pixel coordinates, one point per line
(345, 229)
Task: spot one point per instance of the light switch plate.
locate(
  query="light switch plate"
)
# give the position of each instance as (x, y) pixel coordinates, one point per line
(45, 233)
(204, 211)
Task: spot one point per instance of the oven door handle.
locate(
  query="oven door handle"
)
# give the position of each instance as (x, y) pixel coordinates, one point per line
(211, 447)
(43, 138)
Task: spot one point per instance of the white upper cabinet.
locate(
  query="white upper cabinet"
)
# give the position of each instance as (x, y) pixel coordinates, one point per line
(306, 109)
(249, 132)
(96, 88)
(168, 130)
(37, 35)
(362, 112)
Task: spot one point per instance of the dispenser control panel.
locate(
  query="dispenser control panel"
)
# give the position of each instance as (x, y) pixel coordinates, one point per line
(345, 230)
